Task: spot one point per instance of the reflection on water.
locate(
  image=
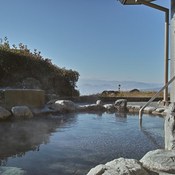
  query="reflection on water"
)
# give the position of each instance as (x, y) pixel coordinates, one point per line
(72, 144)
(18, 137)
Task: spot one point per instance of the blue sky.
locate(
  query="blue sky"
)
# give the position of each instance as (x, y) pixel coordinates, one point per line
(101, 39)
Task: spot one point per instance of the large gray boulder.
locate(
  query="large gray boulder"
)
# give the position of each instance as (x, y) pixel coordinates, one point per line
(119, 166)
(99, 102)
(127, 166)
(4, 114)
(121, 105)
(158, 111)
(64, 106)
(98, 170)
(21, 112)
(109, 107)
(160, 161)
(149, 109)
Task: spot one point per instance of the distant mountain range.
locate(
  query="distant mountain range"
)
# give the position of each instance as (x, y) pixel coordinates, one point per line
(92, 86)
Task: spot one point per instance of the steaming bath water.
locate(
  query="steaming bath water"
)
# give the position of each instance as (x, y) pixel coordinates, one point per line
(74, 143)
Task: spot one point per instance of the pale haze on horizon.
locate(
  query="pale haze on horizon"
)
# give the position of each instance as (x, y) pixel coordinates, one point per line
(101, 39)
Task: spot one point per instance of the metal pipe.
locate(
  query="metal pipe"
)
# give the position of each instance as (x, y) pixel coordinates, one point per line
(166, 56)
(156, 95)
(155, 6)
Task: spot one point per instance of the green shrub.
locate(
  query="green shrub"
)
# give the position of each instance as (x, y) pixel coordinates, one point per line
(18, 64)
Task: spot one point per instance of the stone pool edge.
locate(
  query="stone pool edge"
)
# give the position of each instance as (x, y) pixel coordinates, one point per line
(67, 106)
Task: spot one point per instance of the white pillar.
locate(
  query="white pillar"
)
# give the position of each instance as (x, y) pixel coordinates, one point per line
(172, 56)
(169, 125)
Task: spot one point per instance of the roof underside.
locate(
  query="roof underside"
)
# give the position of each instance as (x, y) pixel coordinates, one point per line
(133, 2)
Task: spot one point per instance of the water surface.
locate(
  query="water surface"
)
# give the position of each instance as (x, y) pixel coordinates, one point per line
(72, 144)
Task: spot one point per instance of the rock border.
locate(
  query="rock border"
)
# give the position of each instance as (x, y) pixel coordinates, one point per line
(67, 106)
(156, 162)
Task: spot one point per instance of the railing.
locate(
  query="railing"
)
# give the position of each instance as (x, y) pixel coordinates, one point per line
(156, 95)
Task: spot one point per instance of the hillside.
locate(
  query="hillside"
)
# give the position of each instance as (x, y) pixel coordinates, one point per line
(21, 68)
